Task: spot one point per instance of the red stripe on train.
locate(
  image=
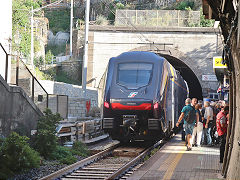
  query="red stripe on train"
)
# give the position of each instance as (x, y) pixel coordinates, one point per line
(144, 106)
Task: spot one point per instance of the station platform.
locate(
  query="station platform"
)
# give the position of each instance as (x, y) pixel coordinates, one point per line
(173, 162)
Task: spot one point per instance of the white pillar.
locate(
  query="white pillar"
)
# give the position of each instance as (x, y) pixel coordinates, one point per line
(85, 56)
(71, 26)
(32, 40)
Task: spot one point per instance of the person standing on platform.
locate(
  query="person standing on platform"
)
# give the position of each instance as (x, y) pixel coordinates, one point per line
(221, 123)
(198, 129)
(194, 102)
(208, 115)
(190, 116)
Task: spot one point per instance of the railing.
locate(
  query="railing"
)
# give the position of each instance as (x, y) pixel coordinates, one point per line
(23, 77)
(6, 62)
(157, 18)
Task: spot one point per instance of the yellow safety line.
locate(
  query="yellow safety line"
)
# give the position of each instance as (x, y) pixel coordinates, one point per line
(172, 167)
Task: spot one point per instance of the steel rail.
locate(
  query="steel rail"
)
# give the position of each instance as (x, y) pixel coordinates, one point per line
(133, 162)
(58, 174)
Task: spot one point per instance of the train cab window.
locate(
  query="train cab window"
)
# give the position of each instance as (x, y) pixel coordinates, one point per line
(134, 75)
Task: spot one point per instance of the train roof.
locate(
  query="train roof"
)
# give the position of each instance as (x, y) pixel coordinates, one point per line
(139, 55)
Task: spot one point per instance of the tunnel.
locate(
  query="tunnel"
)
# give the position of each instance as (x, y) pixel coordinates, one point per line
(195, 89)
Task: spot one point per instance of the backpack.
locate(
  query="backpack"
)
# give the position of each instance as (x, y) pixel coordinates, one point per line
(191, 116)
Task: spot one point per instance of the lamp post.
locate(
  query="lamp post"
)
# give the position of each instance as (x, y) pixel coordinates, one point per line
(32, 40)
(85, 56)
(71, 26)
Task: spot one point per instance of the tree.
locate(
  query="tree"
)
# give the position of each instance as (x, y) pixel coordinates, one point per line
(21, 31)
(45, 141)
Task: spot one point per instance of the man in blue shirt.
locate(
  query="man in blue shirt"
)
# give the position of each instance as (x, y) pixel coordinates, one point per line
(188, 126)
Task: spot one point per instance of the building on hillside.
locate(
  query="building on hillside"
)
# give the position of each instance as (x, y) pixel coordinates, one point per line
(41, 26)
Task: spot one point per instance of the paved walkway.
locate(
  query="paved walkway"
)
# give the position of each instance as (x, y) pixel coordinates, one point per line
(173, 162)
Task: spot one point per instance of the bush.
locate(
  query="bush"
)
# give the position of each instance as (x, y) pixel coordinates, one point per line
(49, 56)
(45, 141)
(38, 62)
(55, 50)
(49, 75)
(61, 152)
(16, 156)
(63, 77)
(68, 160)
(205, 22)
(101, 20)
(80, 149)
(184, 5)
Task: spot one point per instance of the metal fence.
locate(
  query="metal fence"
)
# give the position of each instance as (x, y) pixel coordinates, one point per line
(157, 18)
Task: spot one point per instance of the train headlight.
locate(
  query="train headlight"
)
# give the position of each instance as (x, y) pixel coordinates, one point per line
(155, 106)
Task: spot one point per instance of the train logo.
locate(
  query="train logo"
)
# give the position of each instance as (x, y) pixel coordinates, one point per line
(132, 94)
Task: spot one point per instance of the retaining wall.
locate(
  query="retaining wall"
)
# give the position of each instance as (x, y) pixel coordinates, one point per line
(17, 111)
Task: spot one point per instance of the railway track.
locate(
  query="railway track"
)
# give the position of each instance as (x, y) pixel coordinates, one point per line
(116, 162)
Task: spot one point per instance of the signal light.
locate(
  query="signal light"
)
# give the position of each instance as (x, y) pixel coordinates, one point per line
(106, 104)
(155, 106)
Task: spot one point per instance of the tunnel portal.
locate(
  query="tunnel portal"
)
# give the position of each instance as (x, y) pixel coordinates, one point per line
(195, 89)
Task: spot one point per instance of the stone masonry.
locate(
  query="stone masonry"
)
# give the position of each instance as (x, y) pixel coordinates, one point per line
(195, 47)
(76, 100)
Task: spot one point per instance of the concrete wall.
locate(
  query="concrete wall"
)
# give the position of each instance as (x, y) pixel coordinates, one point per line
(17, 111)
(199, 45)
(5, 34)
(76, 100)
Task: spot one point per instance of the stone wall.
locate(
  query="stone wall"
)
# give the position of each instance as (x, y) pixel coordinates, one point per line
(17, 111)
(76, 100)
(199, 45)
(76, 107)
(72, 69)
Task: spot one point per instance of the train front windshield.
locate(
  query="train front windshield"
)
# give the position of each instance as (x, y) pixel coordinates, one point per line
(134, 75)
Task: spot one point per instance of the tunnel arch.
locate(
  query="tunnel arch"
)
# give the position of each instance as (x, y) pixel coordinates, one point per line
(182, 63)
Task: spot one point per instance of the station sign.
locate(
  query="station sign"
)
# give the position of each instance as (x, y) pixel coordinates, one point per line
(209, 78)
(217, 62)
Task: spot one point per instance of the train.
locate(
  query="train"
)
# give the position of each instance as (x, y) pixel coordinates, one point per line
(142, 97)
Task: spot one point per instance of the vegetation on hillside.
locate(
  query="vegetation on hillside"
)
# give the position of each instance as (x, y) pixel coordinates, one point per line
(59, 20)
(21, 30)
(16, 156)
